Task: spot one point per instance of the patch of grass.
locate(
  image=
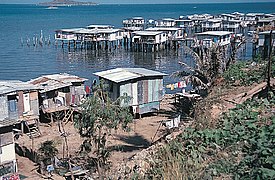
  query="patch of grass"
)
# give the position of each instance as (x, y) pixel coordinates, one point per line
(242, 146)
(245, 73)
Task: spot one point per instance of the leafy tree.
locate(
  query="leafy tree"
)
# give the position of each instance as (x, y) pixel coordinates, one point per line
(47, 151)
(99, 115)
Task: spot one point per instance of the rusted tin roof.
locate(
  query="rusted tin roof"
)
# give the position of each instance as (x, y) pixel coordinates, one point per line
(56, 81)
(124, 74)
(8, 86)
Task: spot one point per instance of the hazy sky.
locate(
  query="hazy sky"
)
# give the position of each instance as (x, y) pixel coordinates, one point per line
(137, 1)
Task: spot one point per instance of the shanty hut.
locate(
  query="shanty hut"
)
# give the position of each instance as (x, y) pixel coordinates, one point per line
(145, 87)
(67, 34)
(18, 102)
(8, 165)
(149, 40)
(59, 91)
(136, 23)
(208, 38)
(172, 33)
(263, 43)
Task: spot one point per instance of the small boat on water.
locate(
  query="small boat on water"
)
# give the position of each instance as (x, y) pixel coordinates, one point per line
(52, 7)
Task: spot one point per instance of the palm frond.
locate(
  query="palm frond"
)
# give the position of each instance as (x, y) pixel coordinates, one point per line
(196, 57)
(179, 74)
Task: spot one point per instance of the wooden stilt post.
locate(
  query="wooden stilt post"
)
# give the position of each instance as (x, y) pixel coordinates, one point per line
(22, 127)
(51, 119)
(72, 117)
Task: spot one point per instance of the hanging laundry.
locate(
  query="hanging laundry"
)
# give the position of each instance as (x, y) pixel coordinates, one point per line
(184, 84)
(181, 84)
(172, 87)
(87, 89)
(183, 90)
(175, 85)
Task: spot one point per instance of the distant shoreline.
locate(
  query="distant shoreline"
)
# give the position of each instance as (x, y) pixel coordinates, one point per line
(202, 3)
(66, 3)
(62, 5)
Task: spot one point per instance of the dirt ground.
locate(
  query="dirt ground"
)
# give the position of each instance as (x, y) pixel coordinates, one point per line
(143, 133)
(125, 145)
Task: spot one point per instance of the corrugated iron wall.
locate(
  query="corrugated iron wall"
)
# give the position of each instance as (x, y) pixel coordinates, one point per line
(135, 93)
(150, 91)
(13, 111)
(20, 103)
(140, 92)
(145, 93)
(68, 98)
(6, 139)
(160, 89)
(126, 88)
(156, 89)
(34, 102)
(3, 107)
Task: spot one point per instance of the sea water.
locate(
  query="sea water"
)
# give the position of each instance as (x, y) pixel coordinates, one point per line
(22, 23)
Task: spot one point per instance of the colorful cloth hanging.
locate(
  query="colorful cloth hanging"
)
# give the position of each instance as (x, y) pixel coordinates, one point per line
(180, 84)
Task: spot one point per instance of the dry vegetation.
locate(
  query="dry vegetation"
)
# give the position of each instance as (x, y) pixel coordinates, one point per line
(219, 141)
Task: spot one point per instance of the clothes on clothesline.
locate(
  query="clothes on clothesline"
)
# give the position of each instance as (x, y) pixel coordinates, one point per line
(181, 84)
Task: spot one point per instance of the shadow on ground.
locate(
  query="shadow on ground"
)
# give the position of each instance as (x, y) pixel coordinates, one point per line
(135, 142)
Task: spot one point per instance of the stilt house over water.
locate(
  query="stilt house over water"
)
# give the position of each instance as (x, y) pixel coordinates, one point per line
(166, 22)
(18, 103)
(145, 87)
(208, 38)
(135, 23)
(59, 92)
(172, 33)
(149, 40)
(67, 34)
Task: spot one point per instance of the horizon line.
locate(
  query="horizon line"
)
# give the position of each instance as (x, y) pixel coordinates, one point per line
(155, 3)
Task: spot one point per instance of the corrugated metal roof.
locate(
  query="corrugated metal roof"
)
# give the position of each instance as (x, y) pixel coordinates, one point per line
(162, 29)
(183, 20)
(14, 85)
(215, 33)
(99, 26)
(55, 81)
(71, 30)
(167, 19)
(96, 31)
(147, 33)
(124, 74)
(214, 20)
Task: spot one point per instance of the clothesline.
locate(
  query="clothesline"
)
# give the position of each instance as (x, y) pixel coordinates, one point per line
(180, 84)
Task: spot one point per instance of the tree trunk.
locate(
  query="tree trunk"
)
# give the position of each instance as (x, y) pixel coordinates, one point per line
(269, 64)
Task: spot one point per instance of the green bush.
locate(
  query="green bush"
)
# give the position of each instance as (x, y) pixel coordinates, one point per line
(242, 146)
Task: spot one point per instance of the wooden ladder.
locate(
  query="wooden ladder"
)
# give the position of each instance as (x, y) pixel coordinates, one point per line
(33, 131)
(68, 114)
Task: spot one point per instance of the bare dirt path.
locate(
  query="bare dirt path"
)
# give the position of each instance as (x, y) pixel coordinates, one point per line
(143, 132)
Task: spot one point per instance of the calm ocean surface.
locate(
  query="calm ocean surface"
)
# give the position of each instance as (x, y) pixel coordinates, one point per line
(26, 21)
